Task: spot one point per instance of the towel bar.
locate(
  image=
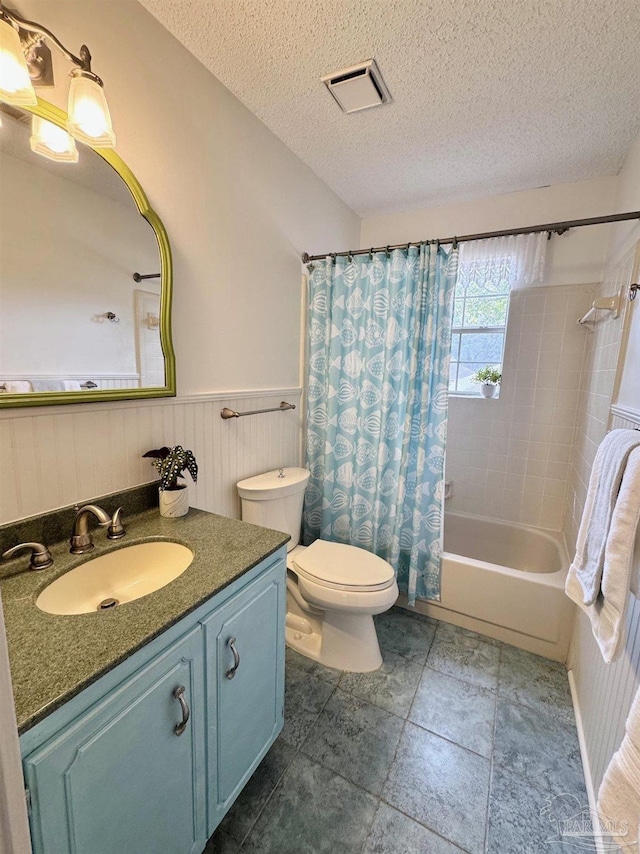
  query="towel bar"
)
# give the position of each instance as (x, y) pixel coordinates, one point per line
(611, 303)
(231, 413)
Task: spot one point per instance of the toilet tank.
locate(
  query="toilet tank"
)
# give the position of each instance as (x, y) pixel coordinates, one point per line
(274, 500)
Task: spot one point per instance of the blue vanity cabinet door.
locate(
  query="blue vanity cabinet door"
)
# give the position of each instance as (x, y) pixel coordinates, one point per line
(118, 779)
(245, 712)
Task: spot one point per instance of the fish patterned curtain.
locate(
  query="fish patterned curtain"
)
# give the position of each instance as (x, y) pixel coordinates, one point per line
(377, 396)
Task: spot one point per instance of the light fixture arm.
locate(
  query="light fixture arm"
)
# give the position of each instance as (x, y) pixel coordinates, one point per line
(83, 61)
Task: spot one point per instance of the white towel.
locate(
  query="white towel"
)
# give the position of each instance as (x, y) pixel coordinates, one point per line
(635, 568)
(16, 387)
(604, 485)
(607, 614)
(47, 385)
(619, 795)
(71, 385)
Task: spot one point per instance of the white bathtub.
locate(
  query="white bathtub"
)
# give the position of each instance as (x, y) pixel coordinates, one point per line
(505, 581)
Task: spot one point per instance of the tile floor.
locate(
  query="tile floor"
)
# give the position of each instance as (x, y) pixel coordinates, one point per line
(456, 744)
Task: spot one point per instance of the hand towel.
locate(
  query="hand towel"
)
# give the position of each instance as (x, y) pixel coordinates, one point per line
(619, 795)
(16, 387)
(604, 485)
(607, 614)
(47, 385)
(71, 385)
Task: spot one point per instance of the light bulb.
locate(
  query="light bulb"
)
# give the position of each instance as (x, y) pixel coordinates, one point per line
(15, 83)
(89, 117)
(52, 141)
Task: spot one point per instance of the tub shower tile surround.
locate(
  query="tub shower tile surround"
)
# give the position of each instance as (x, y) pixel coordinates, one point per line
(462, 768)
(595, 397)
(509, 458)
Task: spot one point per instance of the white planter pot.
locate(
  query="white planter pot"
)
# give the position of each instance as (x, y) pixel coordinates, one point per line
(174, 502)
(488, 390)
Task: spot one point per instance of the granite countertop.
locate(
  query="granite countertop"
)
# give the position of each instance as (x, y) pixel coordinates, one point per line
(54, 657)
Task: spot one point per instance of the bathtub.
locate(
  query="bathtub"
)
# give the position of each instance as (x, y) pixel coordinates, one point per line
(505, 581)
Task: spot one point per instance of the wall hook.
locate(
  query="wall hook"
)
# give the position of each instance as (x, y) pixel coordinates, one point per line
(111, 317)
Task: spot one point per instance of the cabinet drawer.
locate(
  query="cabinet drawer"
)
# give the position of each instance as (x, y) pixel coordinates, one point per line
(120, 773)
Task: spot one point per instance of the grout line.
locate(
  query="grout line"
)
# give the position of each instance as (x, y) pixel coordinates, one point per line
(491, 758)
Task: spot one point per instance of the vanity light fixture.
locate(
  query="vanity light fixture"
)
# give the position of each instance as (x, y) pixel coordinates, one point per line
(52, 141)
(21, 60)
(15, 83)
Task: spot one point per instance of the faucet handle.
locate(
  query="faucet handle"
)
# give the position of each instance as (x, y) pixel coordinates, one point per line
(40, 555)
(116, 530)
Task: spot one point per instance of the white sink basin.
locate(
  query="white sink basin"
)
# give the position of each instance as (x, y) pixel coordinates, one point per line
(112, 579)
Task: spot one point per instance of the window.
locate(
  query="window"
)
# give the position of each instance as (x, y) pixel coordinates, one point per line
(479, 319)
(488, 271)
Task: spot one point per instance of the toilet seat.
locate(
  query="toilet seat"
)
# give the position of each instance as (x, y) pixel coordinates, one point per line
(338, 566)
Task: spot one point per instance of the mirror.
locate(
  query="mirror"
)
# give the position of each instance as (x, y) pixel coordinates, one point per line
(85, 275)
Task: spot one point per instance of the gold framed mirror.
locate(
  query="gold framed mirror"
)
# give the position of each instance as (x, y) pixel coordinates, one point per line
(85, 273)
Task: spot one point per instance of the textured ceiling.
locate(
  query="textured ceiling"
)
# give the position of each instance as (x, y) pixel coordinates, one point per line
(490, 96)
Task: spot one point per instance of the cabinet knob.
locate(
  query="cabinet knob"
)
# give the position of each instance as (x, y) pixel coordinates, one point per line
(236, 658)
(178, 693)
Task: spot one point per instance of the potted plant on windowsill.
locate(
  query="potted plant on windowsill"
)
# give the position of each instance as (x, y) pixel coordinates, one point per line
(489, 379)
(170, 463)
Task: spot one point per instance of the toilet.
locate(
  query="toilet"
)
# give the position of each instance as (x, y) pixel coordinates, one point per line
(333, 589)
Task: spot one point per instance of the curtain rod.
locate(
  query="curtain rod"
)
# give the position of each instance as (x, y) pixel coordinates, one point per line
(551, 227)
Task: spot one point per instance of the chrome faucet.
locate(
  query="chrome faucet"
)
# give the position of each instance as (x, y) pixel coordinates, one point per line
(81, 540)
(40, 555)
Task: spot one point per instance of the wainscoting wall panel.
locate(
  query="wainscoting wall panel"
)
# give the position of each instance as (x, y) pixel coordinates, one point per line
(54, 456)
(605, 691)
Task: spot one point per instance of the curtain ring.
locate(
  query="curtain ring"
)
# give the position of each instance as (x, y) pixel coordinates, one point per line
(371, 254)
(388, 252)
(349, 256)
(333, 257)
(454, 245)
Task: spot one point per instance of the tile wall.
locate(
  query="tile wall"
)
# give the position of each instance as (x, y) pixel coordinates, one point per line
(509, 458)
(596, 391)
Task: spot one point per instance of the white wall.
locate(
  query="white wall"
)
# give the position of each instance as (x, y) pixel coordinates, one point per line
(624, 236)
(574, 258)
(239, 209)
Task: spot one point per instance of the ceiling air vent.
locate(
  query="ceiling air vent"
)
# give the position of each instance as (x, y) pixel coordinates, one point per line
(358, 88)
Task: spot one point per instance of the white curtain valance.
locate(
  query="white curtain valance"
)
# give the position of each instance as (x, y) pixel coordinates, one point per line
(518, 260)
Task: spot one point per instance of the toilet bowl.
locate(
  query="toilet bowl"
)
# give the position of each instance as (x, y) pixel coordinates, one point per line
(333, 590)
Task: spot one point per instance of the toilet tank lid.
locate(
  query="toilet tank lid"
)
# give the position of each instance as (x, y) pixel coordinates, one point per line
(270, 485)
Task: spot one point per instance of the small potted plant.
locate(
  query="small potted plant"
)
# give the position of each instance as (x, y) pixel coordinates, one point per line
(170, 463)
(489, 379)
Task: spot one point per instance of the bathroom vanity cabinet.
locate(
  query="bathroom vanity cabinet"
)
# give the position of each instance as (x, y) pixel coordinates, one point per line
(150, 757)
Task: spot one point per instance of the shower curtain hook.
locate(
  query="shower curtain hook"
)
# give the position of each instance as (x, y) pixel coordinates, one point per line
(454, 245)
(388, 252)
(349, 256)
(371, 254)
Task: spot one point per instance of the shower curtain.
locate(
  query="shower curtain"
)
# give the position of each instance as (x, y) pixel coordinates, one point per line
(377, 394)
